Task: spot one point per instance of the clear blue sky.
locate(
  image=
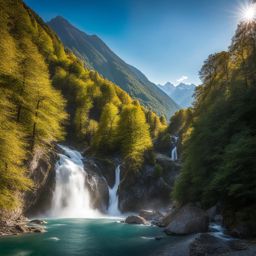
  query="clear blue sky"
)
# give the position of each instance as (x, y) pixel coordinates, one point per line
(165, 39)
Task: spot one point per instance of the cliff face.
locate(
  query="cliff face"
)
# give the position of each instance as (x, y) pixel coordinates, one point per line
(42, 172)
(150, 188)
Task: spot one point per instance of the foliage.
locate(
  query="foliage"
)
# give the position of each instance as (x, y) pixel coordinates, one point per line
(134, 134)
(46, 92)
(99, 57)
(219, 153)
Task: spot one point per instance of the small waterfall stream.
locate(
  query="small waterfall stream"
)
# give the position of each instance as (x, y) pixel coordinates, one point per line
(113, 209)
(174, 153)
(71, 198)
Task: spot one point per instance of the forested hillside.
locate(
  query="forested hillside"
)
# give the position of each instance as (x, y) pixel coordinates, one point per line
(219, 145)
(47, 94)
(98, 56)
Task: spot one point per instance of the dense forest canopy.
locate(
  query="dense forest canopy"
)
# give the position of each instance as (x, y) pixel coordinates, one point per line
(219, 145)
(47, 94)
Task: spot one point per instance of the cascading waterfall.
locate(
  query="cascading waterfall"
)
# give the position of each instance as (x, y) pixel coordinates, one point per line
(174, 153)
(71, 198)
(113, 209)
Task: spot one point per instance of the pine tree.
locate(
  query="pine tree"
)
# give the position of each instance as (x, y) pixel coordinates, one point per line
(134, 134)
(12, 154)
(106, 138)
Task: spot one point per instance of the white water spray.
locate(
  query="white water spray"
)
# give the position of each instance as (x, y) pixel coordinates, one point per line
(113, 209)
(71, 198)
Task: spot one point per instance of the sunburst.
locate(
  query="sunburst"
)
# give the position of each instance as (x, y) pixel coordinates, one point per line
(248, 12)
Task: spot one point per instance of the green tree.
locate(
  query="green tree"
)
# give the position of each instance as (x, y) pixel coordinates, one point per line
(134, 134)
(106, 138)
(12, 154)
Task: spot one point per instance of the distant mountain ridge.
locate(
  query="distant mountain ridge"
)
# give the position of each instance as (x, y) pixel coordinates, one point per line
(181, 93)
(98, 56)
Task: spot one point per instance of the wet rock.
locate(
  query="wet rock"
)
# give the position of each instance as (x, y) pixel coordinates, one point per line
(165, 221)
(188, 220)
(209, 245)
(38, 222)
(37, 229)
(134, 219)
(238, 245)
(107, 169)
(97, 186)
(157, 238)
(42, 172)
(150, 215)
(21, 228)
(146, 188)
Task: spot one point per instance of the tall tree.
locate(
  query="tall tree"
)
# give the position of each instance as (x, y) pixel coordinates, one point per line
(134, 134)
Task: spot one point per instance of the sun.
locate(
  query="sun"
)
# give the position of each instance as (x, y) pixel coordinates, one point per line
(249, 13)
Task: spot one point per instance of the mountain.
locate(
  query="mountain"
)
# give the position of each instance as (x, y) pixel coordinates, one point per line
(47, 96)
(182, 93)
(98, 56)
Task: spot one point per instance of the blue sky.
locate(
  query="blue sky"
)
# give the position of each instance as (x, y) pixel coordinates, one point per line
(166, 39)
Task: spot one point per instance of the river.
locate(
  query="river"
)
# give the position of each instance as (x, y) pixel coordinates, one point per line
(87, 237)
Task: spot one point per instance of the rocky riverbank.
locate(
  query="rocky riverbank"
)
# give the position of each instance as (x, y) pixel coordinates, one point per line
(191, 224)
(208, 245)
(20, 226)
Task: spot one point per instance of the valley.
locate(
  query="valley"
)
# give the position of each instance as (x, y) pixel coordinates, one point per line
(95, 159)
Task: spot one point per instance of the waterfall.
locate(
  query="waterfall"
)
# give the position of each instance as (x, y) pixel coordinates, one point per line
(174, 153)
(113, 197)
(71, 198)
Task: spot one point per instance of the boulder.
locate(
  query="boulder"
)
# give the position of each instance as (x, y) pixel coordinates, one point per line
(37, 230)
(134, 219)
(240, 231)
(21, 228)
(166, 220)
(238, 245)
(188, 219)
(157, 238)
(150, 215)
(38, 222)
(206, 244)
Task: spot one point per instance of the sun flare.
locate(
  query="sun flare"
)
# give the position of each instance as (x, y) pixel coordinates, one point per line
(249, 13)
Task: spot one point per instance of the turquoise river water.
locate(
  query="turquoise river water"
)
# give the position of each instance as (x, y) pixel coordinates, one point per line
(87, 237)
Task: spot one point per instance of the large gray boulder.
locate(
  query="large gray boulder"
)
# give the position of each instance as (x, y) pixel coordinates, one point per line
(134, 219)
(150, 215)
(189, 219)
(167, 218)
